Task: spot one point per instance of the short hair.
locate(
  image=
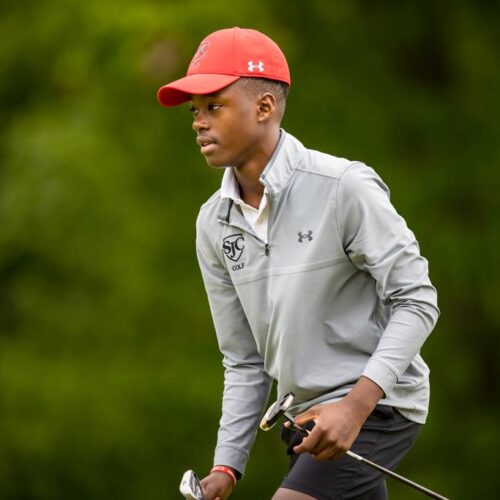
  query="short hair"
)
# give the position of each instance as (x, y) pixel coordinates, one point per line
(263, 85)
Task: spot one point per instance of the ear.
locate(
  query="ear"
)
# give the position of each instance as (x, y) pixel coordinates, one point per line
(266, 107)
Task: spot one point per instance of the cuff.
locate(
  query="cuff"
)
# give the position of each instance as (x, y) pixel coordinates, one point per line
(233, 457)
(383, 374)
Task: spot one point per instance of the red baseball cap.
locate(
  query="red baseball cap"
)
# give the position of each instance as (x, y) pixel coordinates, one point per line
(222, 58)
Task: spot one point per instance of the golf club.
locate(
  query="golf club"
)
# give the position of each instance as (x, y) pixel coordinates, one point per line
(190, 486)
(279, 409)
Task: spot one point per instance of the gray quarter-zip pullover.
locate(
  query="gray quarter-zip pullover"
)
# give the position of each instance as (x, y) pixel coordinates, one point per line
(339, 291)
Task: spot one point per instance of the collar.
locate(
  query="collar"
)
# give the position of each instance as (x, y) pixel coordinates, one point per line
(229, 187)
(287, 156)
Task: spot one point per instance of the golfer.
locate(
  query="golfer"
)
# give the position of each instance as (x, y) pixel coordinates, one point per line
(313, 280)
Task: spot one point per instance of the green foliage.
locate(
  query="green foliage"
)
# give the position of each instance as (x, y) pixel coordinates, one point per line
(110, 376)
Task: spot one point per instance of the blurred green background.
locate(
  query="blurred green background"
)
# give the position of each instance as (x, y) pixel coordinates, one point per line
(110, 375)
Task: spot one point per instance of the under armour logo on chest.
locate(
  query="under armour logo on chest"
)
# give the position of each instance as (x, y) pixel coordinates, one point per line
(302, 236)
(253, 67)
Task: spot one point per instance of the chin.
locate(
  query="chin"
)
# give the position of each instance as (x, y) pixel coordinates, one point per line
(213, 162)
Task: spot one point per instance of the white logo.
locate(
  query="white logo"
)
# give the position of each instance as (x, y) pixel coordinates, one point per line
(252, 66)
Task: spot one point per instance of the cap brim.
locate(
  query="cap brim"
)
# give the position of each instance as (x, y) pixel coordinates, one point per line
(181, 90)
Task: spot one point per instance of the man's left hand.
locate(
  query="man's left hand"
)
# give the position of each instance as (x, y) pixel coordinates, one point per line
(337, 424)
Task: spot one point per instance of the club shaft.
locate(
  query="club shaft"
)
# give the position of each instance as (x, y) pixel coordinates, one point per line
(392, 474)
(292, 425)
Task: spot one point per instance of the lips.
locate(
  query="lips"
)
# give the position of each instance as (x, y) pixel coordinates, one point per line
(207, 144)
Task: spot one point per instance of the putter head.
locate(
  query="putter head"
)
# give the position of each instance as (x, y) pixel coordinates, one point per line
(275, 411)
(190, 486)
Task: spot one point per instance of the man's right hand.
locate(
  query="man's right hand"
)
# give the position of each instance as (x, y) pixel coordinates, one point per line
(217, 486)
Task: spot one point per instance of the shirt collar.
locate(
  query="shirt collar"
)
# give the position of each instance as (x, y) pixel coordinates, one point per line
(229, 187)
(287, 156)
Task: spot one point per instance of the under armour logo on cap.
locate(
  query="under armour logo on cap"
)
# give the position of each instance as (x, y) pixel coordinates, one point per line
(252, 67)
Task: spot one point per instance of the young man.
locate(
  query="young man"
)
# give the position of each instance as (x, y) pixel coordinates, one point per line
(313, 280)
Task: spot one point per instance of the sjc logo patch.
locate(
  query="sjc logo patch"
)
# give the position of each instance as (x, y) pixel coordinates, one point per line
(233, 246)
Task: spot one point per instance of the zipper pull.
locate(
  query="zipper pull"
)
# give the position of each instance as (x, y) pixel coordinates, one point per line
(266, 249)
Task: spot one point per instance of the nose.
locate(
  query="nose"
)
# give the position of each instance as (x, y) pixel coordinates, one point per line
(199, 122)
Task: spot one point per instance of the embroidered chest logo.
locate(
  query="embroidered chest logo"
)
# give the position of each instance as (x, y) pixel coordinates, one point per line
(303, 236)
(233, 246)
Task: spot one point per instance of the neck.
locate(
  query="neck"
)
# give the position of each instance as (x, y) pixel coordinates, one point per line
(248, 175)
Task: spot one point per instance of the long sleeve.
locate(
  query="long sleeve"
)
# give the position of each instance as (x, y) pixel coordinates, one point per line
(246, 384)
(377, 241)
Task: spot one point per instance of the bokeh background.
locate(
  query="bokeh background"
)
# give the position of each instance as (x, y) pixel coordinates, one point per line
(110, 376)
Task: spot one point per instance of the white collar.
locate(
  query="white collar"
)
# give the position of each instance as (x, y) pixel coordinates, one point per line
(229, 187)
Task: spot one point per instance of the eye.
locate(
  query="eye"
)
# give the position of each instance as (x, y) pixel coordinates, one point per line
(193, 110)
(214, 107)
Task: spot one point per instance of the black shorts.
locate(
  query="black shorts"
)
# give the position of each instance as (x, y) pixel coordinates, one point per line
(385, 438)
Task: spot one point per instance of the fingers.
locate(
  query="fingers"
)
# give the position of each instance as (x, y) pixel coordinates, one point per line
(328, 453)
(334, 431)
(307, 416)
(309, 443)
(320, 447)
(216, 486)
(322, 444)
(325, 454)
